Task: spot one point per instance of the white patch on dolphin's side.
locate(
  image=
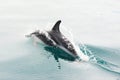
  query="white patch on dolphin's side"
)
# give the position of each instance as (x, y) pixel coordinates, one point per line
(82, 56)
(79, 52)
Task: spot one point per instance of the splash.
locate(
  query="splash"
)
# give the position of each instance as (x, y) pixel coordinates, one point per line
(68, 33)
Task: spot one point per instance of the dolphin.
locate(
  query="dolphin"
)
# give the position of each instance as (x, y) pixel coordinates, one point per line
(56, 39)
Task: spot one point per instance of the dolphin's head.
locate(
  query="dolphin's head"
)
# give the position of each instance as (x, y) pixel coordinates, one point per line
(33, 33)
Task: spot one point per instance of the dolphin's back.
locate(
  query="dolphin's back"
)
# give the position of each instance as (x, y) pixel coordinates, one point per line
(61, 40)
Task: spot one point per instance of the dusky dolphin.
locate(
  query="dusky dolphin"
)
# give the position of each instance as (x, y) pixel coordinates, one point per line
(55, 38)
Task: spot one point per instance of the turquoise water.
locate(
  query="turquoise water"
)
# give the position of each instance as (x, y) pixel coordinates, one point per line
(94, 23)
(40, 64)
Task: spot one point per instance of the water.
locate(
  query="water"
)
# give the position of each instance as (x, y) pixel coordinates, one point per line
(94, 23)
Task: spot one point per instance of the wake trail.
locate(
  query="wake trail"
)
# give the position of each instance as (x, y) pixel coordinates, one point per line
(99, 61)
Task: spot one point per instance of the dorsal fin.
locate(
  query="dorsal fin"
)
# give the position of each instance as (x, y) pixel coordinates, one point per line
(56, 26)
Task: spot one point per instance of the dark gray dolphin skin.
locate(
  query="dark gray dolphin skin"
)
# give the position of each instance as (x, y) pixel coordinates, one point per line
(57, 39)
(61, 40)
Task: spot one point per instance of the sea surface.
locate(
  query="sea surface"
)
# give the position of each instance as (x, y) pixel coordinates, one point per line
(94, 25)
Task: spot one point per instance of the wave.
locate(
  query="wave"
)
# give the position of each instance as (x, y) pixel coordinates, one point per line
(87, 50)
(97, 59)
